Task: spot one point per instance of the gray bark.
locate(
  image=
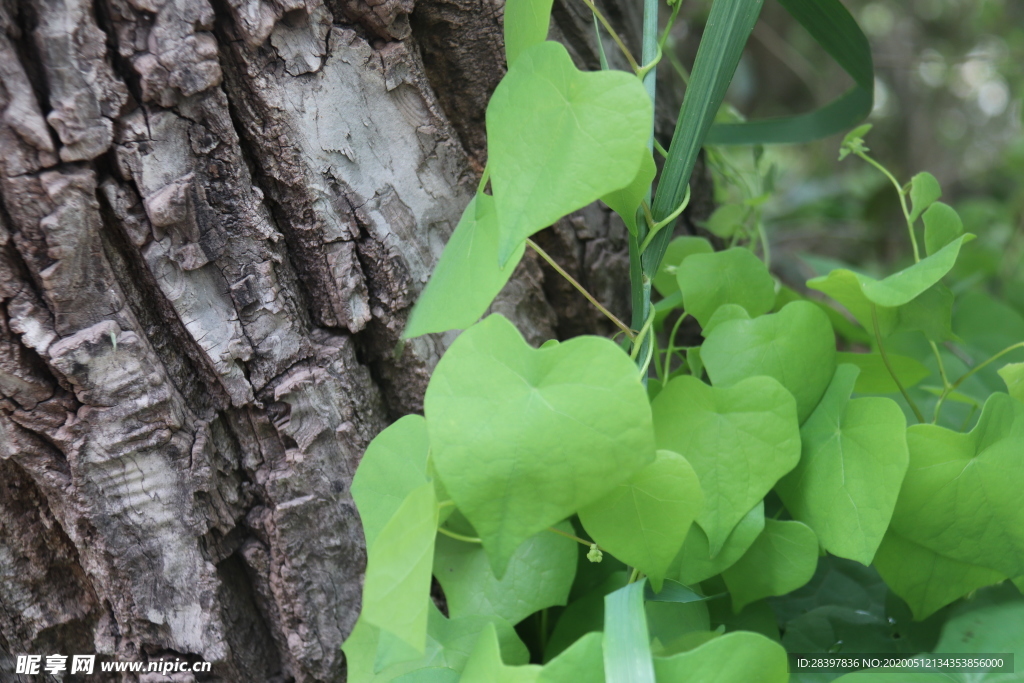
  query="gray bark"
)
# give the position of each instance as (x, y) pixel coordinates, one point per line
(214, 217)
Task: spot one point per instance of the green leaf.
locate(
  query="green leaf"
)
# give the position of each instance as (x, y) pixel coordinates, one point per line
(560, 427)
(526, 24)
(582, 662)
(796, 346)
(728, 26)
(585, 614)
(961, 496)
(673, 591)
(926, 580)
(739, 440)
(695, 561)
(671, 623)
(724, 313)
(1013, 375)
(486, 666)
(467, 276)
(733, 276)
(831, 25)
(782, 559)
(394, 465)
(852, 464)
(396, 594)
(857, 292)
(942, 225)
(644, 520)
(874, 377)
(434, 674)
(559, 139)
(627, 648)
(539, 575)
(994, 628)
(739, 657)
(930, 313)
(839, 583)
(924, 191)
(678, 250)
(727, 220)
(853, 142)
(449, 644)
(626, 201)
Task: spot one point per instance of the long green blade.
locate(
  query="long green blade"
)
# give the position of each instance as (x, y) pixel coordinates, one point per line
(832, 26)
(627, 645)
(729, 25)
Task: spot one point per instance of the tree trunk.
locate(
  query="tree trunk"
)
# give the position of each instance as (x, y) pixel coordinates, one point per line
(215, 217)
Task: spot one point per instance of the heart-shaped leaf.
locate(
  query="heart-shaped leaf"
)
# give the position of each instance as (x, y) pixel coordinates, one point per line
(449, 644)
(559, 139)
(926, 580)
(852, 464)
(739, 657)
(695, 561)
(961, 496)
(522, 438)
(526, 24)
(733, 276)
(644, 520)
(942, 225)
(467, 276)
(582, 662)
(874, 377)
(796, 346)
(678, 251)
(740, 441)
(1013, 375)
(394, 465)
(782, 559)
(924, 191)
(396, 594)
(859, 292)
(626, 201)
(486, 666)
(539, 575)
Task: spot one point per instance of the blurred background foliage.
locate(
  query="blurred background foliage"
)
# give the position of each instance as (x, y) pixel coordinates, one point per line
(948, 99)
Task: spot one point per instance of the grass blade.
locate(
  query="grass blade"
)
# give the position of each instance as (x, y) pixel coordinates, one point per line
(627, 645)
(832, 26)
(729, 25)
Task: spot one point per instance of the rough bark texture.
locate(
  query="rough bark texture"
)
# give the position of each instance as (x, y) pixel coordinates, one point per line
(214, 217)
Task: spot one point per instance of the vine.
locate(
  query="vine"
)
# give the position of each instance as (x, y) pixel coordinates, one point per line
(587, 522)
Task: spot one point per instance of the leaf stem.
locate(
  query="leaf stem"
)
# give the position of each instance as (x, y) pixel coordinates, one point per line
(575, 538)
(615, 36)
(459, 537)
(672, 343)
(903, 200)
(639, 340)
(655, 227)
(597, 304)
(671, 21)
(888, 365)
(967, 375)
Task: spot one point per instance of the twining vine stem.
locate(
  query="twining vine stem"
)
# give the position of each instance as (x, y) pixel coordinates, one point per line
(903, 200)
(611, 316)
(459, 537)
(970, 373)
(888, 365)
(615, 36)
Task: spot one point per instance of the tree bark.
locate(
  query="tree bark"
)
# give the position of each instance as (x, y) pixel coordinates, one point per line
(214, 218)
